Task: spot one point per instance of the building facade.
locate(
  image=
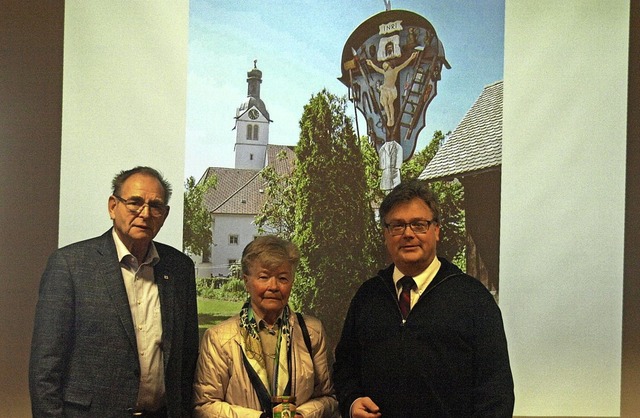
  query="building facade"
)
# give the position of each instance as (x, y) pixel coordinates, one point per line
(239, 192)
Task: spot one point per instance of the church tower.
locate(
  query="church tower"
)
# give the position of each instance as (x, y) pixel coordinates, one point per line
(252, 126)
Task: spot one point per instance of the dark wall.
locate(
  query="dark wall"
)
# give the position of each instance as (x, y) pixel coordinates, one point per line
(31, 58)
(630, 401)
(31, 42)
(482, 213)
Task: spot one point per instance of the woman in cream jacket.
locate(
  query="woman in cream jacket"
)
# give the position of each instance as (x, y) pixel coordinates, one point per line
(262, 353)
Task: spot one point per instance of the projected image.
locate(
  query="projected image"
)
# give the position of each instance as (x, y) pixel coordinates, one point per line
(303, 116)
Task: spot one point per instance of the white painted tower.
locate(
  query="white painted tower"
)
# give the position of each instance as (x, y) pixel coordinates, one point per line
(252, 126)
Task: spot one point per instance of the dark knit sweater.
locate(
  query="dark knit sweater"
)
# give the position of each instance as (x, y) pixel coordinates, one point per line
(448, 360)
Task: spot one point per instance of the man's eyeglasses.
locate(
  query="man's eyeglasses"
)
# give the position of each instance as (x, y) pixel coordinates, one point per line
(419, 227)
(136, 206)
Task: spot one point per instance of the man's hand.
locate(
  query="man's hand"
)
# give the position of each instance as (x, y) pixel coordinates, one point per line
(365, 408)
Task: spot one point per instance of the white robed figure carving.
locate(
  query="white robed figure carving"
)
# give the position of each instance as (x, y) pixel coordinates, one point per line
(390, 155)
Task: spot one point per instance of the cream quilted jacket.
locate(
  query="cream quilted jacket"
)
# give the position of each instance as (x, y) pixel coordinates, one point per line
(222, 387)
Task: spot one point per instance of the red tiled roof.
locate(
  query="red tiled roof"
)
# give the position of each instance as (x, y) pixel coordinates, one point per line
(281, 165)
(240, 191)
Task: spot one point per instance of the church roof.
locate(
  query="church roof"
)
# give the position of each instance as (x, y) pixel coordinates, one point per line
(476, 144)
(251, 102)
(235, 191)
(241, 191)
(281, 165)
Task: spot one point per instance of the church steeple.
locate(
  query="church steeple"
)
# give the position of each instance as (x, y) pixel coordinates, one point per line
(254, 79)
(252, 125)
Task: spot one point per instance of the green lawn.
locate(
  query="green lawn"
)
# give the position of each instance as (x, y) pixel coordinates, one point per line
(212, 311)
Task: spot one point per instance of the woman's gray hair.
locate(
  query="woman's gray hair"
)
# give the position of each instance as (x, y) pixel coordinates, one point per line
(271, 251)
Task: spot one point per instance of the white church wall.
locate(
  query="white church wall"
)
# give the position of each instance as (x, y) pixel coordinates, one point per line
(227, 226)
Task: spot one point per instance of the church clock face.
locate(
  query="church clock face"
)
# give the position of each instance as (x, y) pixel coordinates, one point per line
(253, 114)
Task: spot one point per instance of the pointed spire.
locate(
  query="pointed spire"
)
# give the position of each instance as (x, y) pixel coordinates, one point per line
(254, 78)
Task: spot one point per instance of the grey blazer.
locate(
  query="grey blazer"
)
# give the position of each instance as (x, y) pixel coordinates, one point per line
(84, 360)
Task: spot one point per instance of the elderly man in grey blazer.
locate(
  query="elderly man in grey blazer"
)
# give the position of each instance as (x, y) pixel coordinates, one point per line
(116, 327)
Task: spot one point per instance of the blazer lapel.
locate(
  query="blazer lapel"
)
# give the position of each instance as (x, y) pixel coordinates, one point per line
(111, 275)
(166, 291)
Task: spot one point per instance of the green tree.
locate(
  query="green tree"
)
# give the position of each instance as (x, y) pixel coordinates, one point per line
(196, 226)
(372, 171)
(412, 168)
(450, 195)
(334, 223)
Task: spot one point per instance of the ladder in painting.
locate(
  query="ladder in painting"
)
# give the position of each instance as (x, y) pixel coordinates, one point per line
(416, 95)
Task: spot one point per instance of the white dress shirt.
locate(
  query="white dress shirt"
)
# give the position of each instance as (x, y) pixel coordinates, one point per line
(422, 280)
(144, 302)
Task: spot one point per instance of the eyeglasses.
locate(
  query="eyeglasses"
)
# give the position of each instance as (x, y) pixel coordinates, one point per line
(419, 227)
(156, 209)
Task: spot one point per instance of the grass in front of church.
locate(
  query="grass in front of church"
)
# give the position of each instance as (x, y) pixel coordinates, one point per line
(213, 311)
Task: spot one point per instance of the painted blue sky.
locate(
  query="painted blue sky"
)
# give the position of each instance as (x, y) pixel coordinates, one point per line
(298, 46)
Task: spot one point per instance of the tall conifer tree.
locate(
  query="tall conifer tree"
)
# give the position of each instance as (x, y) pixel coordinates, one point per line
(335, 226)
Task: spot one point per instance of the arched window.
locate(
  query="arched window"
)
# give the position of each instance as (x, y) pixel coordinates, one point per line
(255, 132)
(249, 130)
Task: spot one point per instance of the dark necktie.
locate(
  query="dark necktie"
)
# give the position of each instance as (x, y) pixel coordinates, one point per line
(404, 300)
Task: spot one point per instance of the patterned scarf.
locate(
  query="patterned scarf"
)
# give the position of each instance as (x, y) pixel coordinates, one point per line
(253, 348)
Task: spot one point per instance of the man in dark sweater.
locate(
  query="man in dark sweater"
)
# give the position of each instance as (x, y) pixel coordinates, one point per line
(436, 348)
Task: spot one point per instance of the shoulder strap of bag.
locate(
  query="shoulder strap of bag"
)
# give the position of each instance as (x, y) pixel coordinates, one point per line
(305, 333)
(261, 391)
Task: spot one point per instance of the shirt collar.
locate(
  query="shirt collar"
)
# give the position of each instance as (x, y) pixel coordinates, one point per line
(124, 255)
(262, 324)
(423, 279)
